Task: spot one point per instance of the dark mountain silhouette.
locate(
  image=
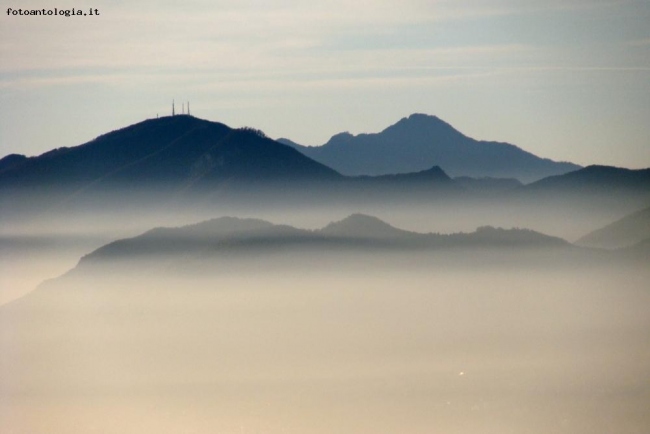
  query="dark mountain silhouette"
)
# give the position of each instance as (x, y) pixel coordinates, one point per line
(593, 189)
(178, 152)
(404, 186)
(629, 230)
(594, 186)
(421, 141)
(596, 179)
(431, 175)
(183, 158)
(11, 161)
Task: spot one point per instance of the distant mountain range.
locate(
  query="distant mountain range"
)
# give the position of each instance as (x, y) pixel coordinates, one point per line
(230, 236)
(421, 141)
(234, 245)
(186, 159)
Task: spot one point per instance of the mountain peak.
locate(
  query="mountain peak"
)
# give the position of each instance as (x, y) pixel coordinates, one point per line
(420, 141)
(171, 153)
(420, 123)
(11, 161)
(340, 139)
(424, 118)
(363, 226)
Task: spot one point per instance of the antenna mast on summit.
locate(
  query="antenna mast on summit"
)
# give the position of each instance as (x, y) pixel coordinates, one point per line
(173, 110)
(188, 107)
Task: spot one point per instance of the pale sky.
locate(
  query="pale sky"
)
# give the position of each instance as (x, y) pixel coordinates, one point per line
(564, 79)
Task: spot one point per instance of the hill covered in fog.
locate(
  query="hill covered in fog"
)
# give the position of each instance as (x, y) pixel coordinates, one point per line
(233, 315)
(631, 229)
(232, 236)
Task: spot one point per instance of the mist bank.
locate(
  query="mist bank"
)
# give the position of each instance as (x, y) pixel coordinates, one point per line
(627, 231)
(352, 326)
(570, 214)
(43, 245)
(297, 343)
(240, 246)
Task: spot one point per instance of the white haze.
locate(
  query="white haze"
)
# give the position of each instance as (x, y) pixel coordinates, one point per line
(347, 345)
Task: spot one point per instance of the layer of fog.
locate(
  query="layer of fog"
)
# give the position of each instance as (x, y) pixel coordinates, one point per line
(39, 246)
(322, 344)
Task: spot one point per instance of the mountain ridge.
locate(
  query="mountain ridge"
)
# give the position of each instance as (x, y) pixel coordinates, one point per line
(174, 148)
(610, 177)
(231, 235)
(420, 141)
(186, 161)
